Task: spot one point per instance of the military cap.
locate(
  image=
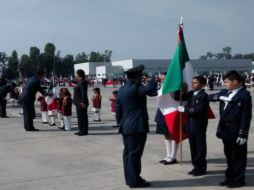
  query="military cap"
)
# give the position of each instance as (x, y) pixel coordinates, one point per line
(136, 70)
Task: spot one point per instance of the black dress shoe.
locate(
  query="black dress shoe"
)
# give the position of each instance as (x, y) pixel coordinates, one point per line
(223, 183)
(82, 134)
(191, 172)
(236, 184)
(174, 161)
(140, 185)
(32, 129)
(62, 128)
(77, 133)
(199, 173)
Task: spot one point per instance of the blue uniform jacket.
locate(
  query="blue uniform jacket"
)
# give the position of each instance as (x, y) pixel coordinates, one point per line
(196, 109)
(131, 109)
(235, 119)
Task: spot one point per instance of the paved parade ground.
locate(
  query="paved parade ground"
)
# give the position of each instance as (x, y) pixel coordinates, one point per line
(56, 160)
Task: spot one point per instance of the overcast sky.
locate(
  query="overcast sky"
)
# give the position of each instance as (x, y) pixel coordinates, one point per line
(130, 28)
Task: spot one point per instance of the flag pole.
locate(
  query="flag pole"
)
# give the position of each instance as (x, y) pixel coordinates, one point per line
(180, 116)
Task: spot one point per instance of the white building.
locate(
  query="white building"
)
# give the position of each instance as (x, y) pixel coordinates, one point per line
(116, 68)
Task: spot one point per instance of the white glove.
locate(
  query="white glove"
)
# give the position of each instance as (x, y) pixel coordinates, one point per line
(225, 98)
(181, 109)
(241, 141)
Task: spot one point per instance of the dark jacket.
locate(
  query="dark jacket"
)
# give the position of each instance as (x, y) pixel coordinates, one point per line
(31, 88)
(4, 90)
(131, 110)
(196, 109)
(235, 119)
(80, 94)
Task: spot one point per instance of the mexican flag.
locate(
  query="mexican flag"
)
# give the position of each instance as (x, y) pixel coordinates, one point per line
(180, 72)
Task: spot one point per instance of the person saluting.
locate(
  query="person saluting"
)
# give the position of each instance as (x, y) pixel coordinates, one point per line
(132, 118)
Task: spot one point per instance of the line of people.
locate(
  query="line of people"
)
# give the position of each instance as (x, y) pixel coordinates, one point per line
(234, 123)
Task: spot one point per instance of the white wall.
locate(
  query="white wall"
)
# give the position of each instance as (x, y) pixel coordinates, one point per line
(126, 64)
(101, 72)
(84, 66)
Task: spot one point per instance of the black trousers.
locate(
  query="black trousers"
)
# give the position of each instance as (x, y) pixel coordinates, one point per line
(82, 119)
(3, 108)
(133, 150)
(198, 151)
(29, 115)
(236, 157)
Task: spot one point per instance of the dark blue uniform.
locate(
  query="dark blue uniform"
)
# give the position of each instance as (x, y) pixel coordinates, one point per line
(132, 117)
(31, 88)
(196, 126)
(80, 96)
(4, 90)
(234, 122)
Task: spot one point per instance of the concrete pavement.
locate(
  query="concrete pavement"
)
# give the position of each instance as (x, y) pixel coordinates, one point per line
(53, 159)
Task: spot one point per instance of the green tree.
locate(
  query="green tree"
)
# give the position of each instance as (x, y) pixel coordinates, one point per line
(107, 55)
(81, 58)
(67, 65)
(25, 66)
(48, 59)
(3, 58)
(227, 52)
(12, 67)
(35, 58)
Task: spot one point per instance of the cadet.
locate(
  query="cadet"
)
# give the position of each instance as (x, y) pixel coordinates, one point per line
(4, 90)
(132, 117)
(234, 124)
(196, 109)
(31, 88)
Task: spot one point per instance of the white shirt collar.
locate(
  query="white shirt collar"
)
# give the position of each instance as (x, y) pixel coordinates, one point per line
(195, 93)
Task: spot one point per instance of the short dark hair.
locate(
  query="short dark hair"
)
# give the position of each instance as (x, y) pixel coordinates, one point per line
(39, 73)
(233, 75)
(200, 79)
(81, 73)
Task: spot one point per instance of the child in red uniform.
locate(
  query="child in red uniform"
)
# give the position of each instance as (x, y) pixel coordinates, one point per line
(113, 103)
(67, 109)
(44, 109)
(59, 108)
(96, 100)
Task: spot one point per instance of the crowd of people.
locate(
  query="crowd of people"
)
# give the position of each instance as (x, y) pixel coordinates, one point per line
(129, 107)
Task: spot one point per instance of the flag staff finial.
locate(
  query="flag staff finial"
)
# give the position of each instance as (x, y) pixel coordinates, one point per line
(181, 20)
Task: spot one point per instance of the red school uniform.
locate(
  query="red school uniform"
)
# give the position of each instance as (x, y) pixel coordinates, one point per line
(96, 101)
(43, 104)
(67, 106)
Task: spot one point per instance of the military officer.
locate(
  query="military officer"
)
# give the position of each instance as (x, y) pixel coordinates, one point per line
(132, 117)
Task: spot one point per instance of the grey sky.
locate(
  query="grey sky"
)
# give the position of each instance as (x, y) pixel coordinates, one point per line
(130, 28)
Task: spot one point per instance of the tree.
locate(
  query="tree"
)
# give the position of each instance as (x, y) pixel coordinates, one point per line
(68, 64)
(12, 67)
(227, 52)
(3, 58)
(203, 57)
(35, 58)
(25, 68)
(48, 59)
(107, 55)
(81, 58)
(220, 55)
(209, 55)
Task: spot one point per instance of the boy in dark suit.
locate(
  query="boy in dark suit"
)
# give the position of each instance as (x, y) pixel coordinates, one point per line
(234, 124)
(196, 109)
